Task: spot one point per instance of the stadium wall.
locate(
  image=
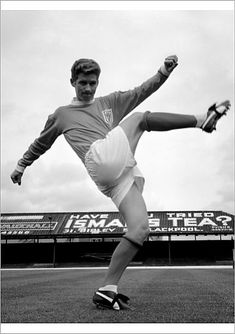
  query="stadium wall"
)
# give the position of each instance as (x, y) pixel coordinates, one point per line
(208, 252)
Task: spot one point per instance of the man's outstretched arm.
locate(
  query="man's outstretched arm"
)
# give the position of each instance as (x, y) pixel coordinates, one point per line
(125, 102)
(47, 137)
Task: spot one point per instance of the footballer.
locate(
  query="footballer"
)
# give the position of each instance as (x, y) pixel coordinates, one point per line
(105, 142)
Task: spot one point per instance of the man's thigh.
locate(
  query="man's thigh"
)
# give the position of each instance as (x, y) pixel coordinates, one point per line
(133, 209)
(133, 130)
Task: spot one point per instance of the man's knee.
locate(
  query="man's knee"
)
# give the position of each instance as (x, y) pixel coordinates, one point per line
(141, 120)
(144, 122)
(139, 234)
(135, 121)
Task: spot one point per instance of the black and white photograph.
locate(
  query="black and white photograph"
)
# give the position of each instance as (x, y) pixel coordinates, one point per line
(117, 169)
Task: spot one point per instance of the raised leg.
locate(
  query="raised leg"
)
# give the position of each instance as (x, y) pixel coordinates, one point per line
(135, 125)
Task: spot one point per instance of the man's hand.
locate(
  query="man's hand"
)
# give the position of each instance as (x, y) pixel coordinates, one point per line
(170, 64)
(16, 177)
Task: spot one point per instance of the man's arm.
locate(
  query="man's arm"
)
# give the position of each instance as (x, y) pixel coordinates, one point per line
(125, 102)
(47, 137)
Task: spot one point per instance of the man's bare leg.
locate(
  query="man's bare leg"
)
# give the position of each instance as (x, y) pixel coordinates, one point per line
(134, 212)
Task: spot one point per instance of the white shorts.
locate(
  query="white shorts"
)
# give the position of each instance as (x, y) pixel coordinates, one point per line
(112, 166)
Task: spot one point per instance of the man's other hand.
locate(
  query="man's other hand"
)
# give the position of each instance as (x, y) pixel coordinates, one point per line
(16, 177)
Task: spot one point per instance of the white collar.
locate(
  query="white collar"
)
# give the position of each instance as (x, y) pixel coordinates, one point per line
(76, 102)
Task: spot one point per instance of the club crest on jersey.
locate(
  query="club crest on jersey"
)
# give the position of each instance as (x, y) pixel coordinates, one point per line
(108, 116)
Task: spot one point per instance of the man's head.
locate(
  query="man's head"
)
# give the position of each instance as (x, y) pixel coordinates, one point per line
(85, 78)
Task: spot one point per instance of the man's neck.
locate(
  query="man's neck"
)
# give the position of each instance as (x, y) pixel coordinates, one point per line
(77, 102)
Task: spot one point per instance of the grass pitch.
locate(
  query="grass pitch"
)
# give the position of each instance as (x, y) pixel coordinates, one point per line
(158, 296)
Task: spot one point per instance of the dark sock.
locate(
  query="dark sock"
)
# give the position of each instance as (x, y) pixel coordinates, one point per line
(158, 121)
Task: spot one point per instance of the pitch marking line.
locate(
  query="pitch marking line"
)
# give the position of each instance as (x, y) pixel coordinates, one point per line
(132, 267)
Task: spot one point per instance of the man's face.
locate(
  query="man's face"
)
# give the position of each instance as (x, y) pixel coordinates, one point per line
(85, 87)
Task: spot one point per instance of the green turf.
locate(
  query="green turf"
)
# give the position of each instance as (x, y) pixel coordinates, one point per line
(159, 296)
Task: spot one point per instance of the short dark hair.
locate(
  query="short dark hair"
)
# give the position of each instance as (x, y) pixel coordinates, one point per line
(86, 66)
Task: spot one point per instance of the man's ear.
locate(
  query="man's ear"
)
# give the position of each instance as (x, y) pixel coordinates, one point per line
(72, 82)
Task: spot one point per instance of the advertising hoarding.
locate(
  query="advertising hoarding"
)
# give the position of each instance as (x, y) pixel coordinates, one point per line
(71, 224)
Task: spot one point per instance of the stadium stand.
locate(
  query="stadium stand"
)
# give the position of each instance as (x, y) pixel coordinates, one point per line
(85, 238)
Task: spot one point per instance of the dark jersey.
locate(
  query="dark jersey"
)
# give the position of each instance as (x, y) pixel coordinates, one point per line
(82, 124)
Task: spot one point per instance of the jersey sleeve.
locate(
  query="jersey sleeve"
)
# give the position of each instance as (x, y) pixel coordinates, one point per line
(124, 102)
(41, 144)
